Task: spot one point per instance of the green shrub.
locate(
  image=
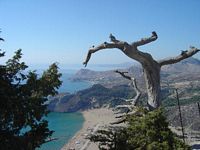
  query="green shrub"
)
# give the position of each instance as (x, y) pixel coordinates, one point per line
(146, 131)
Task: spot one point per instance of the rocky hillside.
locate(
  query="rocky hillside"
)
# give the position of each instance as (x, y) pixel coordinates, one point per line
(106, 78)
(186, 70)
(94, 97)
(190, 115)
(112, 88)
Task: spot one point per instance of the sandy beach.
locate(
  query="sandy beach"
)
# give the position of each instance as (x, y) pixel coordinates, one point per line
(99, 118)
(94, 119)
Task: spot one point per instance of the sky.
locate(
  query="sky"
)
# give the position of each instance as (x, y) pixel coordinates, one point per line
(62, 31)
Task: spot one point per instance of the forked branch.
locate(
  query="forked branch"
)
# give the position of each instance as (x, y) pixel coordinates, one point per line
(129, 49)
(122, 120)
(183, 55)
(134, 85)
(144, 41)
(116, 44)
(150, 66)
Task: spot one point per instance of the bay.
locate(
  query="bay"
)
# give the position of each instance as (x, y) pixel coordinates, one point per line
(65, 125)
(71, 86)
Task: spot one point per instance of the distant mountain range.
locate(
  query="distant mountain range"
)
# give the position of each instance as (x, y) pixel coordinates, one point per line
(188, 69)
(110, 89)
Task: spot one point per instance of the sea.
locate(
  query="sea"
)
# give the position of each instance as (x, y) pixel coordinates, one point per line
(65, 125)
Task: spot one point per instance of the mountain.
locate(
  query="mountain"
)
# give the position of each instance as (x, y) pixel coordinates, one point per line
(110, 89)
(188, 65)
(94, 97)
(186, 70)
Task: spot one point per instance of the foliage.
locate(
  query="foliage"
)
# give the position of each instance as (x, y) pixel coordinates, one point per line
(145, 131)
(22, 104)
(114, 138)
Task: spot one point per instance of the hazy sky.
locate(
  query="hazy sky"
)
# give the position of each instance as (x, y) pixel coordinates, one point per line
(63, 30)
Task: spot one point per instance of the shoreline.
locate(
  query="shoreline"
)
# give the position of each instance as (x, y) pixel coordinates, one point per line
(93, 120)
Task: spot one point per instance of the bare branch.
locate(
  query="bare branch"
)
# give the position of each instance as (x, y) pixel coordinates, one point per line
(144, 41)
(125, 115)
(135, 112)
(121, 115)
(116, 111)
(130, 50)
(138, 93)
(50, 139)
(128, 100)
(120, 45)
(150, 66)
(133, 101)
(183, 55)
(134, 85)
(124, 106)
(119, 121)
(123, 74)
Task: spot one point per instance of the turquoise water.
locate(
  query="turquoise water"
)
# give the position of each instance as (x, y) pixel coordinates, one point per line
(65, 126)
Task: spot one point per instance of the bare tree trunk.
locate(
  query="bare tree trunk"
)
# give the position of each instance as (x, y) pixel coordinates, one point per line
(152, 80)
(150, 66)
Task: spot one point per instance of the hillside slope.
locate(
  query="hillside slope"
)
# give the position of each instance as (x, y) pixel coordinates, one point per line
(112, 88)
(94, 97)
(188, 69)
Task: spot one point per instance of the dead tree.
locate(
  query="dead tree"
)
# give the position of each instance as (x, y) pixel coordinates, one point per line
(150, 66)
(133, 101)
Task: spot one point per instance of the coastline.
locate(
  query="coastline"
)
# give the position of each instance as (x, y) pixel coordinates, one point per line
(94, 119)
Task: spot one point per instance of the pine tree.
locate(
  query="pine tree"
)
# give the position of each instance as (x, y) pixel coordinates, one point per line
(22, 104)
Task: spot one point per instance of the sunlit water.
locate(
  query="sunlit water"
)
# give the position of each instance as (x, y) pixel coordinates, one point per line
(65, 125)
(70, 86)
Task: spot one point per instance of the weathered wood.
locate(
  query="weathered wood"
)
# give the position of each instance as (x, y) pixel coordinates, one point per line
(135, 87)
(123, 117)
(150, 66)
(183, 55)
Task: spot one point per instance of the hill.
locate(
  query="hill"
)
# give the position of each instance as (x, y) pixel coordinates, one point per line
(95, 97)
(112, 88)
(186, 70)
(190, 115)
